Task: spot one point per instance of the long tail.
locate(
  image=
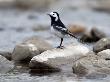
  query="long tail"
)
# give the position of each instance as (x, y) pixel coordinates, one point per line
(72, 35)
(69, 33)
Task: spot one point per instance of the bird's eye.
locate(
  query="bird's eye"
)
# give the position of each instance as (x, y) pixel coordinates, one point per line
(53, 14)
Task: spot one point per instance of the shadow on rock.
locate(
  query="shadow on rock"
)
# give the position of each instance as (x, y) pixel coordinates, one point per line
(42, 68)
(40, 72)
(7, 55)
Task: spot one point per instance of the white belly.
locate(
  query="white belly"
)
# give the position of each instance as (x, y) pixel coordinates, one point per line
(57, 33)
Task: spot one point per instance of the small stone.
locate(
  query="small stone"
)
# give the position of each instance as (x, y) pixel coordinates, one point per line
(80, 70)
(101, 45)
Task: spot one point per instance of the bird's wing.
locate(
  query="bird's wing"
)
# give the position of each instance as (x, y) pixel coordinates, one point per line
(64, 30)
(61, 29)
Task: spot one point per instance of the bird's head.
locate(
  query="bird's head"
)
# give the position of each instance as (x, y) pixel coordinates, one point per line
(54, 16)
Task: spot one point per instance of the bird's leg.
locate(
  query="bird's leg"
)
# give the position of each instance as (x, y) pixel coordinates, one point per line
(61, 43)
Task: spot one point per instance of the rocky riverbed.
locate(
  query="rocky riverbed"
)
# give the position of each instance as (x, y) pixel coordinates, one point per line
(28, 53)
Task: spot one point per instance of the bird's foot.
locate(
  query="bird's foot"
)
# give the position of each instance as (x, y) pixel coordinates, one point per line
(61, 47)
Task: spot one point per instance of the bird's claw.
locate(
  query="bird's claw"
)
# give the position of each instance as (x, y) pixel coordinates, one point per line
(61, 47)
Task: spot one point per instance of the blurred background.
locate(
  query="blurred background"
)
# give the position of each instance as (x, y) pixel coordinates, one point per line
(25, 18)
(20, 19)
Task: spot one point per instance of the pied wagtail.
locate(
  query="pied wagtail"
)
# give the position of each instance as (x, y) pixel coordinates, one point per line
(58, 28)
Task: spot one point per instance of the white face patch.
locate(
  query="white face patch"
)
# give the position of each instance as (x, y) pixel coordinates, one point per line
(54, 15)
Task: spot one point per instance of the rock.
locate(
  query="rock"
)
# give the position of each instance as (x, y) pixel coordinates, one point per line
(90, 65)
(33, 4)
(5, 65)
(29, 48)
(80, 70)
(93, 36)
(24, 52)
(86, 37)
(105, 54)
(97, 34)
(7, 55)
(101, 45)
(38, 42)
(76, 29)
(56, 58)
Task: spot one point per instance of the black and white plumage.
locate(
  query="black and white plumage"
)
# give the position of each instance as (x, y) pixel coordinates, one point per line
(58, 28)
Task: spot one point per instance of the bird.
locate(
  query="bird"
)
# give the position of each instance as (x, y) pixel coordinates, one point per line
(58, 28)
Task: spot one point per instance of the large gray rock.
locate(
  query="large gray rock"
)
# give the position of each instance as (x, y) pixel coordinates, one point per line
(29, 48)
(56, 58)
(5, 65)
(92, 66)
(102, 44)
